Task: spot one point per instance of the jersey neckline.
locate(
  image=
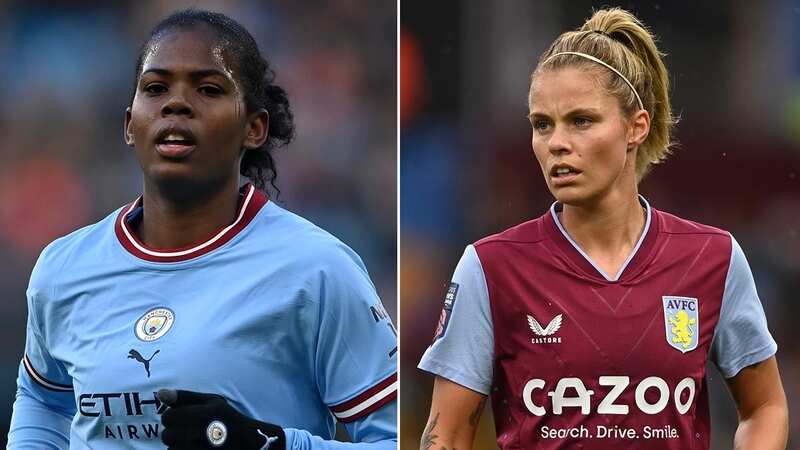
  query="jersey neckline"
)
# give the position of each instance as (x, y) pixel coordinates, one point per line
(571, 248)
(252, 202)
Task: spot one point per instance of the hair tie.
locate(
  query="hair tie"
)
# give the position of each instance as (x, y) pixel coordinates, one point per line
(599, 61)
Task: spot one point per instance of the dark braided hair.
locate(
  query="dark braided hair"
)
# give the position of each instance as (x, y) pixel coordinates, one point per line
(256, 77)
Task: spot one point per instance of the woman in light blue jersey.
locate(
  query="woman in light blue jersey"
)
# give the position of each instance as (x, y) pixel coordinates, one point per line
(202, 315)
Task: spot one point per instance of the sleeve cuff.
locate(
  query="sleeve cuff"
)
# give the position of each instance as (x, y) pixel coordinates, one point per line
(368, 401)
(290, 434)
(41, 380)
(731, 370)
(456, 376)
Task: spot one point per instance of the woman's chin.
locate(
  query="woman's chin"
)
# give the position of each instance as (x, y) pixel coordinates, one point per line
(570, 195)
(183, 185)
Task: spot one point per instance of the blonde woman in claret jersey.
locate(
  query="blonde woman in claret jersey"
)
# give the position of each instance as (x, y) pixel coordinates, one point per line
(590, 326)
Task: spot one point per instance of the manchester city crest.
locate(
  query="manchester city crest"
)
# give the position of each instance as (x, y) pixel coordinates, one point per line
(154, 324)
(682, 322)
(217, 433)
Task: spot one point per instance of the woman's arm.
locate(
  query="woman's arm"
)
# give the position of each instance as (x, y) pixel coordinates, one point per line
(455, 414)
(761, 403)
(190, 414)
(41, 417)
(462, 358)
(45, 402)
(377, 431)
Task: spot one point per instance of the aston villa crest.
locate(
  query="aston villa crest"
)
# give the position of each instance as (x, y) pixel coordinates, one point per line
(682, 322)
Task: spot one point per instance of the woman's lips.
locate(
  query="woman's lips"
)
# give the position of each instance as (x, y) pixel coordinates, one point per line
(564, 179)
(175, 151)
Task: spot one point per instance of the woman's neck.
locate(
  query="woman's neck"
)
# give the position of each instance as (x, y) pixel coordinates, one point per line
(171, 220)
(608, 230)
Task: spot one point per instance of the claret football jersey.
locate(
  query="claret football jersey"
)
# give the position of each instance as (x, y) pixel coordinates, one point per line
(573, 357)
(272, 313)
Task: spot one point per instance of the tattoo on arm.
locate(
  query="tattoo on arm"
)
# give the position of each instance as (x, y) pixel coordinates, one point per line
(428, 438)
(475, 417)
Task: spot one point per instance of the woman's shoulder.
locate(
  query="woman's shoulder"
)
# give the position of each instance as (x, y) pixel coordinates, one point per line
(288, 232)
(529, 232)
(684, 235)
(83, 243)
(672, 224)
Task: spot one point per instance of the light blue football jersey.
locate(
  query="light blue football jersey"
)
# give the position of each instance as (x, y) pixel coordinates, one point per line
(272, 312)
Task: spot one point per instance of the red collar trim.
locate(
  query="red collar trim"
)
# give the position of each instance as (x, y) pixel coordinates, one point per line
(253, 201)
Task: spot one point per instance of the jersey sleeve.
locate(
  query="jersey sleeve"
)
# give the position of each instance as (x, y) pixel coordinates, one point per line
(356, 354)
(741, 337)
(463, 347)
(376, 431)
(45, 403)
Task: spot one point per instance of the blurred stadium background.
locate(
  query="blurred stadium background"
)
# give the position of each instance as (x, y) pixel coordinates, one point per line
(468, 169)
(68, 70)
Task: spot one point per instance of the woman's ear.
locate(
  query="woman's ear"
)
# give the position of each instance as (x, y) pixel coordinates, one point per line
(128, 131)
(638, 129)
(257, 130)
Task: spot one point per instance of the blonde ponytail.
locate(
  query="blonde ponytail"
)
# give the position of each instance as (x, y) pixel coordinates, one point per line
(620, 40)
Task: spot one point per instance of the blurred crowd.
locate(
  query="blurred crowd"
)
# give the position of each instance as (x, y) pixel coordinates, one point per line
(68, 72)
(468, 171)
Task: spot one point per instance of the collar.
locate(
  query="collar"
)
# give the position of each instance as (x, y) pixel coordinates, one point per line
(578, 256)
(251, 202)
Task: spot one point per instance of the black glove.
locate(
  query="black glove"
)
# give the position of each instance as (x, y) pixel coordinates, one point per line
(206, 421)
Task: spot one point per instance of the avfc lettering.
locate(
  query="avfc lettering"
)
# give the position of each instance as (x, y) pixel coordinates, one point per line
(681, 303)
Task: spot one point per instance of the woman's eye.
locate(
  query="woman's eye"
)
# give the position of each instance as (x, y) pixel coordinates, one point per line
(155, 88)
(540, 125)
(210, 90)
(582, 121)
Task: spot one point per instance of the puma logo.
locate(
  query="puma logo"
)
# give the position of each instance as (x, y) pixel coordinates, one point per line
(133, 354)
(269, 440)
